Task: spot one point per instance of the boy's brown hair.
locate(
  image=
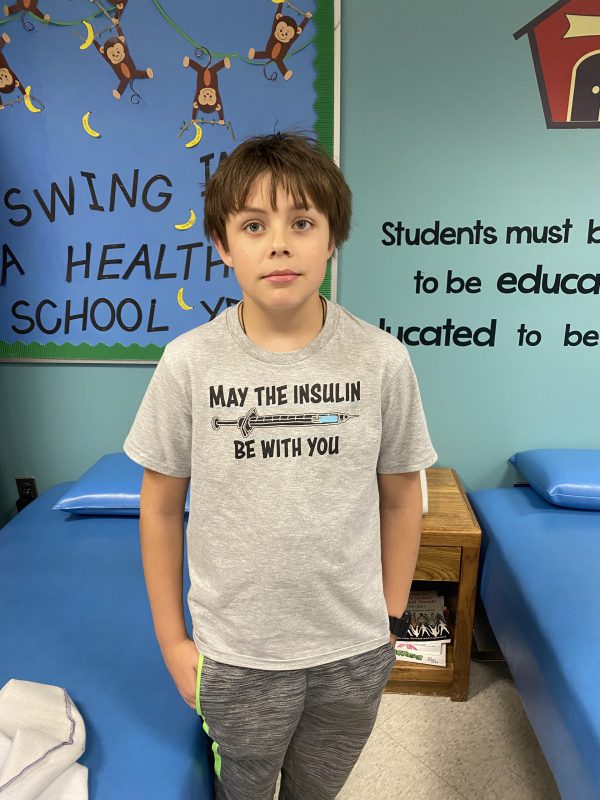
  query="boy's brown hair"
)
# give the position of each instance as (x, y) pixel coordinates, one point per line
(296, 163)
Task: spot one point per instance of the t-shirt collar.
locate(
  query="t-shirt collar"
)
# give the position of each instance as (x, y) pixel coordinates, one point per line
(292, 357)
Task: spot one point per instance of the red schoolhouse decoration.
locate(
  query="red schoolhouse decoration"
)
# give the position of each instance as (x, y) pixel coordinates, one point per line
(565, 45)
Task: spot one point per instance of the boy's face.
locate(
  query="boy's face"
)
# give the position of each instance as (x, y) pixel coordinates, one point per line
(262, 240)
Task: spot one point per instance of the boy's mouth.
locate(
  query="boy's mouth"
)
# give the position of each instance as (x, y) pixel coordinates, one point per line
(281, 272)
(281, 276)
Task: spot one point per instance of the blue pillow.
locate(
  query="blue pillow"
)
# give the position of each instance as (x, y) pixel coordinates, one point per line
(563, 477)
(111, 487)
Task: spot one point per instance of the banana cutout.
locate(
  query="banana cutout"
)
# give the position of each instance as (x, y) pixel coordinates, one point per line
(182, 302)
(197, 137)
(87, 127)
(183, 226)
(90, 35)
(28, 103)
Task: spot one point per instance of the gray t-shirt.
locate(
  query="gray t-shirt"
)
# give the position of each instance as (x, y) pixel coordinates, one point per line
(283, 450)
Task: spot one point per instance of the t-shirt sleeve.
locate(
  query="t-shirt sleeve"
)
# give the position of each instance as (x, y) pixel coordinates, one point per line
(405, 443)
(161, 436)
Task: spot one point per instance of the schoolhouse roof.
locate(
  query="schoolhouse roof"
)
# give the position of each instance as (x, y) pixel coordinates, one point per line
(540, 18)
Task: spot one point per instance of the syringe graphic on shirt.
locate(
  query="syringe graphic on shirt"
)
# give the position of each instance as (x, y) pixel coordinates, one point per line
(251, 420)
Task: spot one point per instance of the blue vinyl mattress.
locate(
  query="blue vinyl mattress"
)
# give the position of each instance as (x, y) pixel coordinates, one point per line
(74, 613)
(540, 585)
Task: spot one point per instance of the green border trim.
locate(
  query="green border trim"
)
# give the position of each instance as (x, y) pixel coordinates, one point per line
(324, 89)
(323, 20)
(324, 72)
(80, 352)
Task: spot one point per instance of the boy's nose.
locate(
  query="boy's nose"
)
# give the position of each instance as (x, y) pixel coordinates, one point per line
(279, 242)
(280, 250)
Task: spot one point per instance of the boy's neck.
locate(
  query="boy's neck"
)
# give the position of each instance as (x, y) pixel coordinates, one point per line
(284, 330)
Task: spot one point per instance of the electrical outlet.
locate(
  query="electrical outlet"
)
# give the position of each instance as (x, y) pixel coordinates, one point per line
(27, 489)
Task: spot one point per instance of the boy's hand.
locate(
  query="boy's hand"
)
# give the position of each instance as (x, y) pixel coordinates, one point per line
(181, 660)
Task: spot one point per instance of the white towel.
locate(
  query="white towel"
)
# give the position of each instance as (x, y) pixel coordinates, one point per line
(42, 734)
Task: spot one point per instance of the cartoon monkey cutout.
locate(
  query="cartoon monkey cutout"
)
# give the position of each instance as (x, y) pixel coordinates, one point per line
(284, 32)
(26, 5)
(207, 97)
(8, 80)
(116, 53)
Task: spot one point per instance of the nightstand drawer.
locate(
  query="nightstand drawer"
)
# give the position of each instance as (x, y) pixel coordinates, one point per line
(438, 564)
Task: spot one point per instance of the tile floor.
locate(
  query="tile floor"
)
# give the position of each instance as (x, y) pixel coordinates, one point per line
(429, 748)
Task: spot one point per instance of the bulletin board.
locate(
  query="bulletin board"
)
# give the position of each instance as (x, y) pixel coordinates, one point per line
(112, 119)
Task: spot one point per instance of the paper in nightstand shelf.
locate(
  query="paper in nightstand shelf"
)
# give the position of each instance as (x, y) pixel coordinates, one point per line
(428, 634)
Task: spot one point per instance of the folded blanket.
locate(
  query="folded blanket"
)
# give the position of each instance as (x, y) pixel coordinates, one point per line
(42, 734)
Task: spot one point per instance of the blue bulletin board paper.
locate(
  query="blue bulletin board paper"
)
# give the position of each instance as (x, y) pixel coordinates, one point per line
(104, 256)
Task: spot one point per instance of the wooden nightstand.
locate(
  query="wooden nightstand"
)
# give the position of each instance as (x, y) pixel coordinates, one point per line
(448, 560)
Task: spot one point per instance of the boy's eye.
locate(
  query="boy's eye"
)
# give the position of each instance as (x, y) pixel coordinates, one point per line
(255, 227)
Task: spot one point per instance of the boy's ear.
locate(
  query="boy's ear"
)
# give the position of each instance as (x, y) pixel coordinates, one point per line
(224, 254)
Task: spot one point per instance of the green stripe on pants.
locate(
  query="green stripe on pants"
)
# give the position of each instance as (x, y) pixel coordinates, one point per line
(215, 745)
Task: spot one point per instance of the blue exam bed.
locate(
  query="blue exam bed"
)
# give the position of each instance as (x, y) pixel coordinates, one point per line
(540, 586)
(74, 613)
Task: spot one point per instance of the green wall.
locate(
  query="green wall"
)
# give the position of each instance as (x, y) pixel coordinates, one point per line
(441, 120)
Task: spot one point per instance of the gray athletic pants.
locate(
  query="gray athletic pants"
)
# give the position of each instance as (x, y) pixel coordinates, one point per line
(311, 724)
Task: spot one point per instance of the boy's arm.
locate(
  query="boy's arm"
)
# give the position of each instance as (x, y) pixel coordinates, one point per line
(162, 505)
(401, 513)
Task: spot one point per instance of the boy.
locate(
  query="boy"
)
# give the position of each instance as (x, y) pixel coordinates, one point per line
(302, 430)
